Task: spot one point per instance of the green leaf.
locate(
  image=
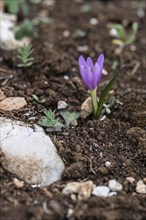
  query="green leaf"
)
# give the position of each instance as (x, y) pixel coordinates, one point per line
(69, 117)
(105, 93)
(25, 29)
(132, 37)
(13, 6)
(49, 120)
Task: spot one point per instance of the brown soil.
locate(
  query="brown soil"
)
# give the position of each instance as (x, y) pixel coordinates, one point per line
(120, 138)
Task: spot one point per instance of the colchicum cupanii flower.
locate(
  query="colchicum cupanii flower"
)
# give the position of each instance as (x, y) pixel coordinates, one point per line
(91, 75)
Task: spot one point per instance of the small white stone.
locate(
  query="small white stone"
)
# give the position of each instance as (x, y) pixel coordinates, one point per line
(93, 21)
(101, 191)
(114, 185)
(107, 164)
(113, 32)
(66, 77)
(29, 153)
(130, 179)
(83, 48)
(141, 187)
(105, 72)
(66, 33)
(62, 105)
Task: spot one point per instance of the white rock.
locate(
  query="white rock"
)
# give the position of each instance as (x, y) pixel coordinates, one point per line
(29, 153)
(101, 191)
(12, 103)
(83, 48)
(114, 185)
(141, 187)
(93, 21)
(62, 105)
(83, 189)
(7, 35)
(107, 164)
(130, 179)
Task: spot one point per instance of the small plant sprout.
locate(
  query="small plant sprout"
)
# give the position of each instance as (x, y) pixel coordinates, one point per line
(122, 37)
(40, 100)
(24, 55)
(107, 107)
(69, 117)
(49, 120)
(91, 75)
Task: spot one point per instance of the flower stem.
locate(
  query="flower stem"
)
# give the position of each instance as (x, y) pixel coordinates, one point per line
(94, 101)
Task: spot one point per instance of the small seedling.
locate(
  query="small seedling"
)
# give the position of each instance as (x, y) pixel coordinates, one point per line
(49, 120)
(24, 55)
(39, 100)
(107, 107)
(122, 37)
(91, 75)
(69, 117)
(25, 29)
(15, 5)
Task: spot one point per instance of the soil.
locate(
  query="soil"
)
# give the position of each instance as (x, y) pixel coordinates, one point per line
(119, 138)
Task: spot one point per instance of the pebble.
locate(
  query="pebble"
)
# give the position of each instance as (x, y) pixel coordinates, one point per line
(83, 189)
(107, 164)
(101, 191)
(93, 21)
(141, 187)
(12, 103)
(130, 179)
(86, 108)
(29, 153)
(83, 48)
(62, 105)
(114, 185)
(18, 184)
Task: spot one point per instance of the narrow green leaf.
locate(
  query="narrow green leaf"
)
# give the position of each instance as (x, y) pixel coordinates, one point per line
(105, 93)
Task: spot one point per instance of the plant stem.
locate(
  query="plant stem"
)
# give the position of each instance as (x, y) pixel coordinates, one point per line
(94, 101)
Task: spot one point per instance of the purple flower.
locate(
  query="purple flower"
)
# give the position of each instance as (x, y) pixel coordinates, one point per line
(91, 73)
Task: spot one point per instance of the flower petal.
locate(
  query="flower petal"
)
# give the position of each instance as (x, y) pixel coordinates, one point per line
(100, 61)
(96, 75)
(82, 61)
(89, 62)
(87, 76)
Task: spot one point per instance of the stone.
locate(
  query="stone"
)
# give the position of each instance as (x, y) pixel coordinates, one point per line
(83, 189)
(101, 191)
(114, 185)
(86, 108)
(141, 187)
(130, 179)
(93, 21)
(18, 184)
(7, 36)
(12, 103)
(29, 153)
(62, 105)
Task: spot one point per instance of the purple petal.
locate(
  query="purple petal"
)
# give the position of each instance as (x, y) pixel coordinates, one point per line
(87, 76)
(96, 75)
(89, 62)
(82, 61)
(100, 61)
